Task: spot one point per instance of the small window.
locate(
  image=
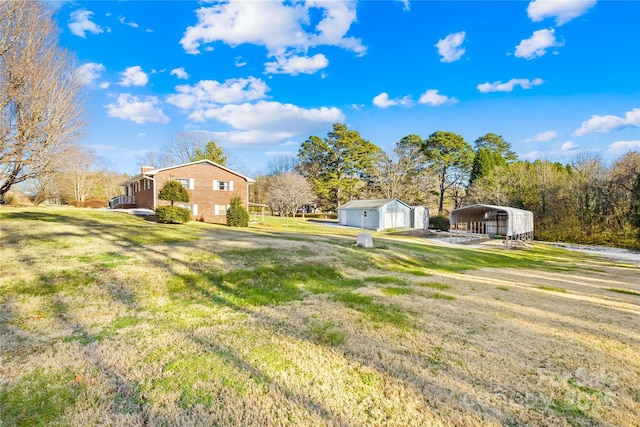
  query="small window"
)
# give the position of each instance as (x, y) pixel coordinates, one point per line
(147, 184)
(223, 185)
(220, 209)
(186, 182)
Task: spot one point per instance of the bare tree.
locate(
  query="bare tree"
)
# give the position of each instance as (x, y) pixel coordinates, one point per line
(80, 179)
(155, 159)
(282, 164)
(288, 192)
(185, 147)
(40, 112)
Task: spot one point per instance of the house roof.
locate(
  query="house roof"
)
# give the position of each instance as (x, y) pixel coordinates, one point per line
(369, 204)
(153, 172)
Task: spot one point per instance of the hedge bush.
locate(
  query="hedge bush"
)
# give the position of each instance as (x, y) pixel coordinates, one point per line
(439, 222)
(173, 214)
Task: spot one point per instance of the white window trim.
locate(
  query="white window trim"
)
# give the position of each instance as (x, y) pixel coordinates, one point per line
(191, 181)
(216, 185)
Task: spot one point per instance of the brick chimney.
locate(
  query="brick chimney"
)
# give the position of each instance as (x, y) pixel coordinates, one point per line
(147, 168)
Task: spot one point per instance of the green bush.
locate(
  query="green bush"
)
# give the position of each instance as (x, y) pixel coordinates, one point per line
(173, 214)
(439, 222)
(237, 216)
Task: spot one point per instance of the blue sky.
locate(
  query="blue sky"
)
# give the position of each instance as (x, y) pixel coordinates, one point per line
(555, 78)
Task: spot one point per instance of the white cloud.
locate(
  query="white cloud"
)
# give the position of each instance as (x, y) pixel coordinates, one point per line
(210, 93)
(621, 147)
(450, 47)
(509, 86)
(90, 72)
(130, 23)
(284, 29)
(268, 122)
(563, 11)
(609, 123)
(240, 62)
(281, 154)
(432, 97)
(270, 116)
(80, 23)
(568, 146)
(546, 136)
(180, 73)
(382, 100)
(133, 76)
(405, 4)
(295, 65)
(129, 107)
(537, 44)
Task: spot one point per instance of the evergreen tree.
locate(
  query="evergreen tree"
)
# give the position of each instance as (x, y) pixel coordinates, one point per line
(237, 215)
(339, 165)
(491, 150)
(173, 191)
(211, 152)
(450, 157)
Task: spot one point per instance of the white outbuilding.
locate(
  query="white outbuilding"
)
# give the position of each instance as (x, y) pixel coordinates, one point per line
(376, 214)
(489, 221)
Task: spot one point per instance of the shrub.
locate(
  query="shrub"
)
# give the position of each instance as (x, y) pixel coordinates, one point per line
(237, 216)
(11, 198)
(173, 214)
(439, 222)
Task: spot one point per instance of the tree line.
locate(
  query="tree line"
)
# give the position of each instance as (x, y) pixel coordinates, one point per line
(584, 201)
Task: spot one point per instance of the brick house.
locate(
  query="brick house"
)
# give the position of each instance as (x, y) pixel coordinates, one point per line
(211, 188)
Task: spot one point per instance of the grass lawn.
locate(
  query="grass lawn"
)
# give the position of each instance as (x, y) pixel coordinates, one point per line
(108, 319)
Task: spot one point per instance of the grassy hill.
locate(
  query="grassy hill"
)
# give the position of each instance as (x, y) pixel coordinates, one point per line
(109, 319)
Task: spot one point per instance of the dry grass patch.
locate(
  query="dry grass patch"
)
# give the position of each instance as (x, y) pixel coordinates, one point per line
(107, 319)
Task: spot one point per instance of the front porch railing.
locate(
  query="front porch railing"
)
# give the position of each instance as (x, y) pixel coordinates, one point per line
(122, 200)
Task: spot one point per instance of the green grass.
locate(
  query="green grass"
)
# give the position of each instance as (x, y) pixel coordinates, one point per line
(328, 333)
(439, 295)
(624, 291)
(553, 289)
(394, 291)
(374, 311)
(39, 397)
(54, 282)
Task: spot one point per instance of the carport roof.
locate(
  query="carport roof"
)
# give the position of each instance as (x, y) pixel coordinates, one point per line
(481, 209)
(519, 221)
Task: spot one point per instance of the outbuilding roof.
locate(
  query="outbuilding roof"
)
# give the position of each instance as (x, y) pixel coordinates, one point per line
(369, 204)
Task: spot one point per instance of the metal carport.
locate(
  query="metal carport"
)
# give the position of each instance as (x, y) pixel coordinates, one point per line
(487, 221)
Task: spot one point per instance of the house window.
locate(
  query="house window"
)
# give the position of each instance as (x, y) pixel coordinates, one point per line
(147, 184)
(223, 185)
(186, 182)
(220, 209)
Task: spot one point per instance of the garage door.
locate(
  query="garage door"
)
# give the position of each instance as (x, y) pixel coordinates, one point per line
(394, 219)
